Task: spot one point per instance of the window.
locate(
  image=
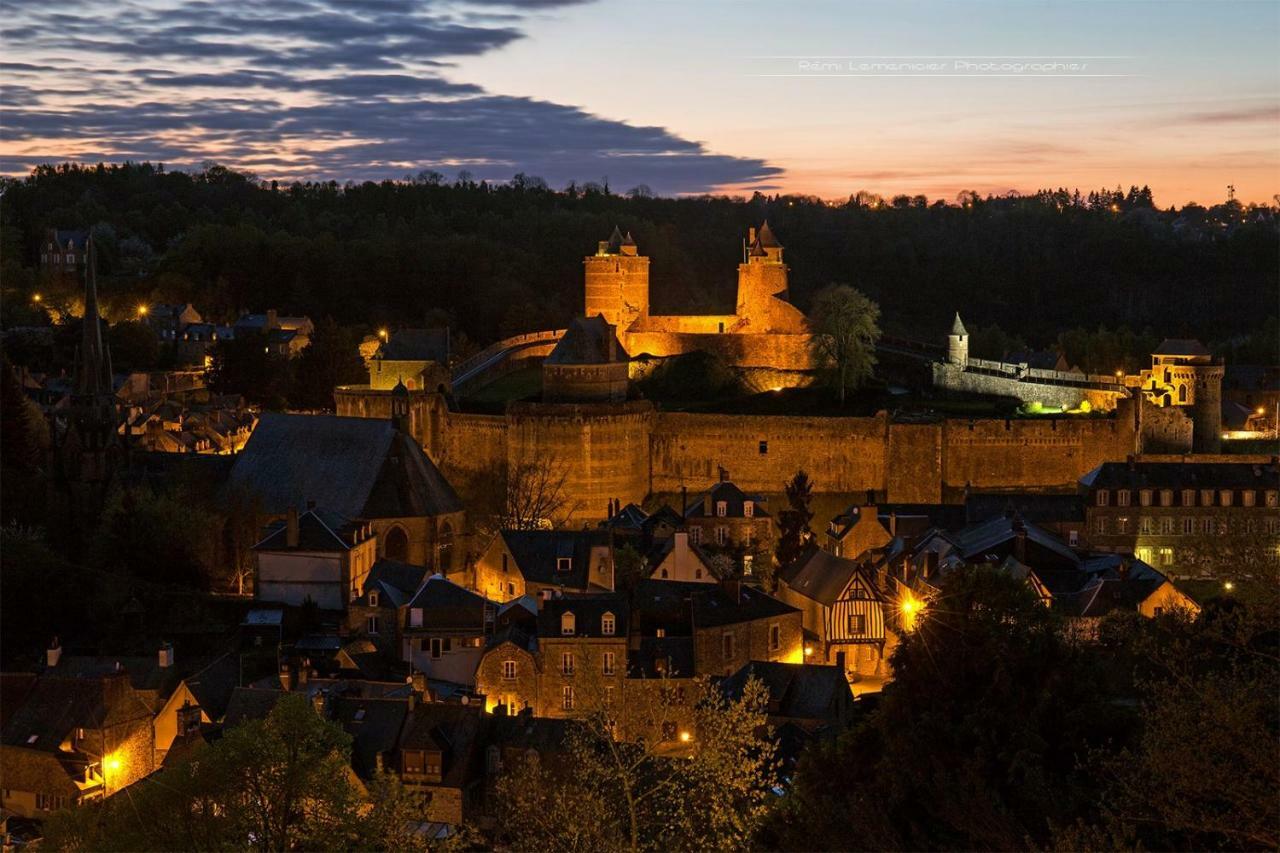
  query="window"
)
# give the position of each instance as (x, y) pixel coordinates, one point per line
(415, 617)
(608, 663)
(749, 509)
(1188, 497)
(1122, 497)
(722, 508)
(607, 625)
(660, 633)
(564, 564)
(609, 691)
(775, 638)
(727, 646)
(373, 598)
(508, 670)
(695, 535)
(566, 663)
(764, 448)
(1188, 526)
(1147, 525)
(511, 589)
(1206, 497)
(1167, 525)
(1247, 497)
(49, 803)
(1144, 497)
(1144, 554)
(1166, 556)
(1166, 497)
(747, 560)
(437, 647)
(1207, 527)
(1122, 524)
(568, 624)
(722, 535)
(71, 259)
(373, 625)
(566, 697)
(665, 574)
(1273, 498)
(1100, 525)
(1224, 497)
(1073, 538)
(1103, 497)
(857, 624)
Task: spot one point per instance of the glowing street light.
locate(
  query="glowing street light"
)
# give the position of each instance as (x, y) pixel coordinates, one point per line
(1228, 586)
(382, 333)
(142, 310)
(36, 298)
(685, 737)
(910, 607)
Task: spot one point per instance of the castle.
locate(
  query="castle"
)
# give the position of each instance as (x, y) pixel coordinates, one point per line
(610, 448)
(765, 331)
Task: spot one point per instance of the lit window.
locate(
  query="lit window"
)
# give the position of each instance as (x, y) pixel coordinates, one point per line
(1166, 556)
(1166, 497)
(1273, 498)
(608, 663)
(1247, 497)
(566, 663)
(1206, 497)
(722, 508)
(749, 509)
(1188, 497)
(566, 697)
(1225, 497)
(857, 624)
(1144, 497)
(1122, 524)
(607, 625)
(509, 670)
(568, 624)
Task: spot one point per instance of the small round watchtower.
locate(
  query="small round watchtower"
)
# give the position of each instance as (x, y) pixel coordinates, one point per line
(958, 343)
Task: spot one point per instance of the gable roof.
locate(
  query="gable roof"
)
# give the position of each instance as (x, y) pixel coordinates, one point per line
(354, 467)
(452, 729)
(800, 690)
(447, 606)
(41, 771)
(57, 705)
(588, 609)
(213, 685)
(1181, 346)
(374, 725)
(397, 581)
(820, 575)
(317, 531)
(734, 498)
(588, 340)
(250, 703)
(679, 607)
(537, 553)
(1036, 508)
(1183, 475)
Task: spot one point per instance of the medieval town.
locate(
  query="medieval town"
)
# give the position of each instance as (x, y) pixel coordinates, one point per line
(639, 580)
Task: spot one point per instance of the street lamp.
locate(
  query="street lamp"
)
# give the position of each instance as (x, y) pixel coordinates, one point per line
(382, 333)
(142, 310)
(35, 297)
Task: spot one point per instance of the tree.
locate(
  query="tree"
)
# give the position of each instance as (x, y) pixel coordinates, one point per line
(536, 495)
(845, 328)
(332, 358)
(166, 537)
(629, 566)
(793, 521)
(616, 791)
(245, 365)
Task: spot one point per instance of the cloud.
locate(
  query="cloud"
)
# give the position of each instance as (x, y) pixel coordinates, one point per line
(344, 89)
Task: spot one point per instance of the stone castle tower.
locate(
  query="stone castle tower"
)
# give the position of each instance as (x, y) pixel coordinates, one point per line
(762, 278)
(958, 343)
(617, 281)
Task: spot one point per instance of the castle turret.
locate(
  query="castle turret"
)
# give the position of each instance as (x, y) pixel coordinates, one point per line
(588, 365)
(1185, 373)
(400, 407)
(762, 286)
(617, 281)
(958, 343)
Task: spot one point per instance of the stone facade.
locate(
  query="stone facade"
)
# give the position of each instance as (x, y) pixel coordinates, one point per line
(723, 650)
(508, 675)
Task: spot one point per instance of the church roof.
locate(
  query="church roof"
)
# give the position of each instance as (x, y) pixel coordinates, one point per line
(957, 327)
(588, 340)
(354, 467)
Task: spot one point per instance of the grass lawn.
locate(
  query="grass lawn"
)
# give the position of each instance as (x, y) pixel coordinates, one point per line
(522, 384)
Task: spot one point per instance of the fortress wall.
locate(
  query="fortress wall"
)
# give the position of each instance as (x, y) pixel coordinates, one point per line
(1165, 429)
(954, 378)
(915, 465)
(474, 445)
(602, 450)
(697, 324)
(1031, 454)
(780, 352)
(840, 454)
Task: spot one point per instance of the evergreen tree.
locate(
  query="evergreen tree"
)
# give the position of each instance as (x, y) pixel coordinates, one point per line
(794, 521)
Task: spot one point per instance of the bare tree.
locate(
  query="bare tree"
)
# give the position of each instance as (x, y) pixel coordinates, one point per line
(536, 495)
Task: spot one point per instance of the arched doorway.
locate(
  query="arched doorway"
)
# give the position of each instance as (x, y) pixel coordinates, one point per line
(397, 545)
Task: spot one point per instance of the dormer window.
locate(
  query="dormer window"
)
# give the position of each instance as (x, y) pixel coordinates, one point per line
(373, 598)
(564, 564)
(722, 508)
(748, 509)
(1144, 497)
(1166, 497)
(568, 624)
(607, 625)
(1103, 497)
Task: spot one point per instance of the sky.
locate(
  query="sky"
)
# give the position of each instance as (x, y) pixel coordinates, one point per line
(823, 97)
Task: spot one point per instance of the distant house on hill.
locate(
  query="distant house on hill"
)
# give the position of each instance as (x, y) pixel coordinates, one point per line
(358, 468)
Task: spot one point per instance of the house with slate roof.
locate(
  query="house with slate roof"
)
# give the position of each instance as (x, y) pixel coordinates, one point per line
(417, 357)
(317, 556)
(374, 614)
(361, 469)
(542, 562)
(443, 630)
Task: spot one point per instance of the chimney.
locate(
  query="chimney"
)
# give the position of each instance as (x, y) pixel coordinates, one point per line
(291, 528)
(419, 683)
(871, 497)
(751, 236)
(1019, 541)
(684, 501)
(166, 655)
(286, 678)
(311, 505)
(724, 474)
(893, 522)
(733, 589)
(273, 319)
(602, 248)
(188, 719)
(53, 654)
(304, 671)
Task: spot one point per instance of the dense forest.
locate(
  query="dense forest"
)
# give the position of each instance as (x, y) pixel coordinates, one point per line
(498, 259)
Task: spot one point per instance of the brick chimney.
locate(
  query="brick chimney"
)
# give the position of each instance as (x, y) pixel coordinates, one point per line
(166, 655)
(53, 654)
(291, 527)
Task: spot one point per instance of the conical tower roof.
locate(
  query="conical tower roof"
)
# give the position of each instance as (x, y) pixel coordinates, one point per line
(766, 238)
(957, 328)
(615, 240)
(628, 240)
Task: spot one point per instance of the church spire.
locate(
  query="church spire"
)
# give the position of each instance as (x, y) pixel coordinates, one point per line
(93, 359)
